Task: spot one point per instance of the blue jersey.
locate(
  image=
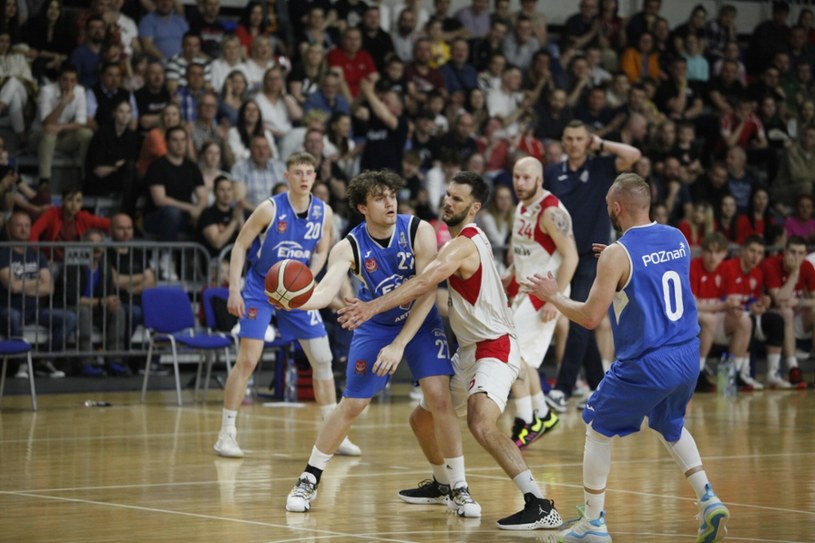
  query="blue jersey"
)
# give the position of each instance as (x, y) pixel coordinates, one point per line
(289, 236)
(656, 307)
(382, 269)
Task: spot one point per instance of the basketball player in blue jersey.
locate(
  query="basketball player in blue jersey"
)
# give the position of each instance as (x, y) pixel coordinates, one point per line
(291, 225)
(643, 281)
(384, 251)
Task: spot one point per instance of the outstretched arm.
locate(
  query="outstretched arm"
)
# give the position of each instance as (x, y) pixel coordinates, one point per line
(612, 272)
(448, 261)
(339, 262)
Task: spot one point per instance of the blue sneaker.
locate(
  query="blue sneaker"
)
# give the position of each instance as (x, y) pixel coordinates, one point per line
(586, 531)
(714, 516)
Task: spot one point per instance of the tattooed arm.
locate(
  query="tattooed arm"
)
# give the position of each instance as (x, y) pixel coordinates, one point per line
(558, 224)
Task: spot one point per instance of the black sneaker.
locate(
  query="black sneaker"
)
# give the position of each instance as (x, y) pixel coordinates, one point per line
(517, 429)
(538, 513)
(428, 492)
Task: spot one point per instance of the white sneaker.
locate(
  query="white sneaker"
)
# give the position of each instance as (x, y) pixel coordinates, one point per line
(47, 369)
(748, 380)
(556, 400)
(304, 492)
(167, 267)
(22, 372)
(774, 381)
(416, 394)
(462, 504)
(347, 448)
(227, 446)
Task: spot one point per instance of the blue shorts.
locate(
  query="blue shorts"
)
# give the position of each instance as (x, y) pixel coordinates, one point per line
(658, 386)
(294, 324)
(427, 354)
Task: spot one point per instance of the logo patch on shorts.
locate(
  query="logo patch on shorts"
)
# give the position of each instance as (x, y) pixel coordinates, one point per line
(282, 226)
(252, 313)
(359, 367)
(370, 265)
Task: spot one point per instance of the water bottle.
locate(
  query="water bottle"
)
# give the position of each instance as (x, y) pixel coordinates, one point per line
(732, 386)
(97, 403)
(290, 390)
(723, 374)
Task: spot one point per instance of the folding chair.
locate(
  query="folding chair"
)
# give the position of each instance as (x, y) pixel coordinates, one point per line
(17, 347)
(168, 317)
(281, 345)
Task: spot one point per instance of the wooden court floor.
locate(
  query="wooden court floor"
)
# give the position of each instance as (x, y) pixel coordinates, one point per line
(146, 473)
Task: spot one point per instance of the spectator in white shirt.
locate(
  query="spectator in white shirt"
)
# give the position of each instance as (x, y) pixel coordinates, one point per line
(62, 122)
(507, 102)
(230, 60)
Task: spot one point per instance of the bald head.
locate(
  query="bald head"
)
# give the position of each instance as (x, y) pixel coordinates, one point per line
(527, 178)
(121, 227)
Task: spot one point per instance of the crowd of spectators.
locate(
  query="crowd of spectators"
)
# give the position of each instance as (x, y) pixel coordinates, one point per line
(162, 104)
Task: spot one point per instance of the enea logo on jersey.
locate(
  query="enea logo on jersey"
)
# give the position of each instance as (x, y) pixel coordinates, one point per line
(291, 249)
(391, 283)
(359, 367)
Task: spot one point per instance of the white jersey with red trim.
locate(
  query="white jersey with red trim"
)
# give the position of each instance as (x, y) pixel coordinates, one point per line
(534, 250)
(479, 309)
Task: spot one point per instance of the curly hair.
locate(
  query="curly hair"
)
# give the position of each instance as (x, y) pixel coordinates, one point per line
(372, 183)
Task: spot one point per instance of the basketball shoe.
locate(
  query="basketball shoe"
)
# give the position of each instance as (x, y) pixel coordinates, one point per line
(429, 492)
(776, 381)
(304, 492)
(714, 516)
(227, 445)
(347, 448)
(462, 504)
(586, 531)
(556, 400)
(797, 378)
(537, 513)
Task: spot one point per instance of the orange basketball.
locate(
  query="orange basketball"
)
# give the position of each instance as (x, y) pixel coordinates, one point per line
(289, 284)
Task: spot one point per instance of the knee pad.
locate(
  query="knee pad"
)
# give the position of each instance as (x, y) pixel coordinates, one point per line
(772, 324)
(318, 352)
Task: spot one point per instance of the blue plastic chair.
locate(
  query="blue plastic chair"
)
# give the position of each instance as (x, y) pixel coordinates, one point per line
(168, 318)
(17, 347)
(283, 346)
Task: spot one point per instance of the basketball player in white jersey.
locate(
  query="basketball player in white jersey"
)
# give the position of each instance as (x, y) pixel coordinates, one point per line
(488, 357)
(542, 242)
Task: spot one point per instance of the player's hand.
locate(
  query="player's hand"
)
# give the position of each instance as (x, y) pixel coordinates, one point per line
(544, 287)
(234, 304)
(388, 360)
(598, 248)
(549, 313)
(354, 314)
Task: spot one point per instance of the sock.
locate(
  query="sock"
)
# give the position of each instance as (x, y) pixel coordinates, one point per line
(742, 364)
(596, 465)
(228, 420)
(318, 459)
(523, 408)
(455, 471)
(702, 361)
(526, 483)
(539, 405)
(327, 409)
(698, 481)
(792, 362)
(773, 364)
(312, 474)
(440, 474)
(606, 365)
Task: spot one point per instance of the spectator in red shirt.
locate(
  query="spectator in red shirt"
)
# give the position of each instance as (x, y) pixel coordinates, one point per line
(790, 280)
(355, 63)
(742, 127)
(721, 319)
(698, 225)
(66, 222)
(744, 280)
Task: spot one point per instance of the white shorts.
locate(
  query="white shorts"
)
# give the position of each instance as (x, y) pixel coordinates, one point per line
(534, 335)
(800, 330)
(720, 337)
(493, 373)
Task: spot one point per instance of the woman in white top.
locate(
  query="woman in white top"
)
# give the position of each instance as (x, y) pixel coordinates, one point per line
(497, 221)
(16, 83)
(278, 109)
(210, 166)
(259, 62)
(231, 59)
(249, 124)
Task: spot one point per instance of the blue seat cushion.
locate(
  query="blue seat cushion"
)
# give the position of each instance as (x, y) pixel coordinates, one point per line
(203, 341)
(14, 346)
